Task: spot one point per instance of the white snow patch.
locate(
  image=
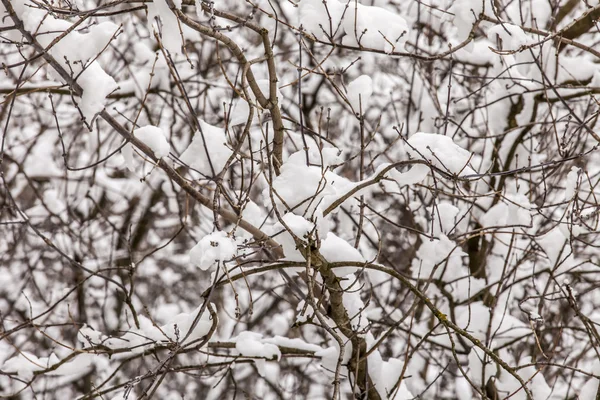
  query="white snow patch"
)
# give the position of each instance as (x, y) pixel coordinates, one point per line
(26, 364)
(572, 183)
(466, 12)
(151, 71)
(353, 303)
(154, 138)
(359, 93)
(555, 245)
(515, 209)
(374, 27)
(299, 226)
(171, 37)
(385, 374)
(591, 387)
(508, 385)
(504, 327)
(239, 112)
(440, 151)
(295, 343)
(321, 18)
(148, 335)
(441, 255)
(196, 156)
(89, 336)
(512, 36)
(330, 356)
(336, 249)
(298, 184)
(445, 218)
(250, 344)
(481, 367)
(76, 52)
(211, 249)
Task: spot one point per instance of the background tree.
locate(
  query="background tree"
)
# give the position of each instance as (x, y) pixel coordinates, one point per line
(313, 199)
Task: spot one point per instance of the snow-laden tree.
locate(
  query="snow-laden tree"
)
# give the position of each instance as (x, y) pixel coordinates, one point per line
(294, 199)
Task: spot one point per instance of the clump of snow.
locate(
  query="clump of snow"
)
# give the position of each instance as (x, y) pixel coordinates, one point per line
(127, 153)
(463, 388)
(343, 187)
(26, 364)
(297, 184)
(177, 328)
(505, 328)
(445, 218)
(149, 334)
(76, 52)
(305, 312)
(359, 92)
(479, 53)
(294, 343)
(159, 10)
(302, 188)
(508, 385)
(335, 249)
(154, 138)
(238, 113)
(300, 227)
(481, 367)
(591, 387)
(511, 36)
(51, 204)
(374, 27)
(385, 374)
(250, 344)
(464, 286)
(440, 151)
(554, 244)
(89, 336)
(329, 356)
(52, 200)
(417, 173)
(196, 156)
(442, 255)
(322, 18)
(353, 303)
(533, 14)
(96, 85)
(365, 26)
(6, 21)
(572, 183)
(38, 161)
(253, 214)
(466, 12)
(151, 71)
(514, 209)
(212, 249)
(151, 136)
